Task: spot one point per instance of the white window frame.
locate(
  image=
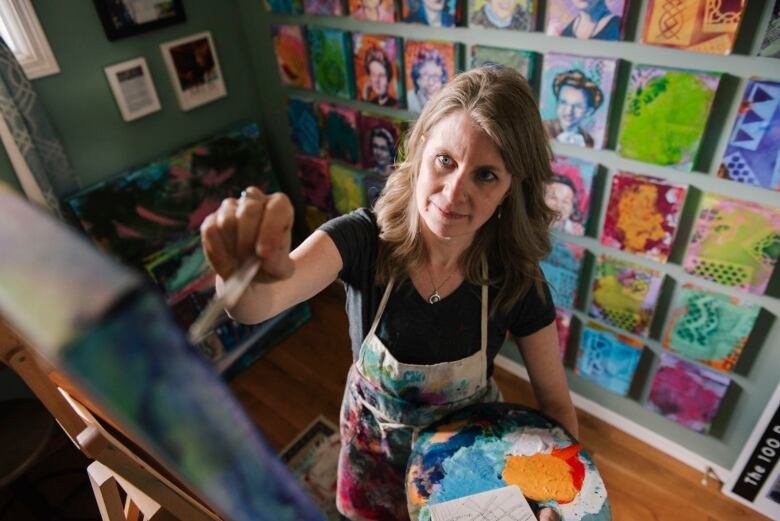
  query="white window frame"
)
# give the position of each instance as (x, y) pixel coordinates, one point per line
(26, 38)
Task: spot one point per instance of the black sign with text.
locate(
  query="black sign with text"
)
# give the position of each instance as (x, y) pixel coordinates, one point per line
(761, 462)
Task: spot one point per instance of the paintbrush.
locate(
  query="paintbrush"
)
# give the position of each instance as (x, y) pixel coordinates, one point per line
(233, 289)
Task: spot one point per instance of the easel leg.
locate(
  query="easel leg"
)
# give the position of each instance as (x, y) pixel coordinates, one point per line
(106, 490)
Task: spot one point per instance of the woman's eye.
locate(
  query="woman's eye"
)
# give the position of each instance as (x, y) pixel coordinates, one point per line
(444, 160)
(486, 176)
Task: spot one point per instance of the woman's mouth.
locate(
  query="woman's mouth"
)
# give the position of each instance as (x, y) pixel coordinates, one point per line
(448, 214)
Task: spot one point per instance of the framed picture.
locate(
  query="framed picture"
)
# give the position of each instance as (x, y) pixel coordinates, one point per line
(123, 18)
(194, 68)
(133, 88)
(755, 477)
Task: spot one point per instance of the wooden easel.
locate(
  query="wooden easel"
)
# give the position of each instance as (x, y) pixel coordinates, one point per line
(117, 469)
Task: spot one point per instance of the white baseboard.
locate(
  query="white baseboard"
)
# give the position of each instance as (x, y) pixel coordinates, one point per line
(629, 427)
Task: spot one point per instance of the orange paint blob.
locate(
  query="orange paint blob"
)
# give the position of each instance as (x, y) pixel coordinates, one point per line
(543, 477)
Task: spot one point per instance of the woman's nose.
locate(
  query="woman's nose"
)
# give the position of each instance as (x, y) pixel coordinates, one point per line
(456, 187)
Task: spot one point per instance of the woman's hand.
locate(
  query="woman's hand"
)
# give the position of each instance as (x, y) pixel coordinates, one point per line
(548, 514)
(256, 224)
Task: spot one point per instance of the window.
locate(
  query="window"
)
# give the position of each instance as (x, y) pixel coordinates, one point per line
(21, 30)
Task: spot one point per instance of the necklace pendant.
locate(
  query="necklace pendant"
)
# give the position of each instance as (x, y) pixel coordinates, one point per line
(434, 298)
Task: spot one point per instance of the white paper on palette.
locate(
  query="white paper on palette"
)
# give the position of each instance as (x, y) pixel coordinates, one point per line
(501, 504)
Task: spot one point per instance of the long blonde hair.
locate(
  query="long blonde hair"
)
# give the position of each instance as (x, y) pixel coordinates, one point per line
(500, 101)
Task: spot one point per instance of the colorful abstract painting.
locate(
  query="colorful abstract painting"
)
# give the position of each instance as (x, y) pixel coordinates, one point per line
(734, 243)
(284, 6)
(428, 65)
(443, 13)
(139, 212)
(521, 61)
(373, 10)
(563, 326)
(378, 68)
(127, 354)
(594, 20)
(324, 7)
(492, 446)
(348, 188)
(562, 268)
(753, 152)
(693, 25)
(686, 393)
(314, 175)
(770, 45)
(292, 55)
(331, 61)
(380, 139)
(575, 97)
(642, 215)
(608, 358)
(305, 125)
(340, 129)
(517, 15)
(708, 327)
(569, 193)
(625, 294)
(664, 116)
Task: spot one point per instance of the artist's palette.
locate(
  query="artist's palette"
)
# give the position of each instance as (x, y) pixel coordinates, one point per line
(489, 446)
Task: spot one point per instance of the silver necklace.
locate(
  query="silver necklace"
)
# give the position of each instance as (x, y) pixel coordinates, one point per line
(435, 297)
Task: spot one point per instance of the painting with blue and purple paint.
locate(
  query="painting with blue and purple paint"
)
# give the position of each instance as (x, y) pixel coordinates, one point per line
(608, 359)
(753, 153)
(305, 125)
(562, 269)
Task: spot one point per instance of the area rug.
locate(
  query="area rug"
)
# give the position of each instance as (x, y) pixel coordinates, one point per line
(313, 458)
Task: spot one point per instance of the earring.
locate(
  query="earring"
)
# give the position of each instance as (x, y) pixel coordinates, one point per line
(499, 213)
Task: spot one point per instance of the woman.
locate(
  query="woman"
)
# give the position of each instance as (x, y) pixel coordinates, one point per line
(430, 12)
(379, 73)
(577, 97)
(501, 14)
(429, 298)
(594, 21)
(561, 196)
(429, 74)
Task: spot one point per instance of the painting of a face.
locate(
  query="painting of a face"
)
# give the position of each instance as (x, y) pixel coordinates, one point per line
(560, 198)
(429, 82)
(434, 5)
(380, 149)
(378, 77)
(573, 106)
(503, 8)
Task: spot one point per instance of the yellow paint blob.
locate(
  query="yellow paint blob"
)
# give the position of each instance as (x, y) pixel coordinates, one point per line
(541, 477)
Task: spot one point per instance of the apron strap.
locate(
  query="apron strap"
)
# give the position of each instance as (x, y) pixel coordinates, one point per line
(484, 319)
(381, 308)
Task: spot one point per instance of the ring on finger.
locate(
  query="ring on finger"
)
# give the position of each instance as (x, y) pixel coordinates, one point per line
(245, 194)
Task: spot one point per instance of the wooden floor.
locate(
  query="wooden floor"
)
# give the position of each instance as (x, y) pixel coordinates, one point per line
(305, 376)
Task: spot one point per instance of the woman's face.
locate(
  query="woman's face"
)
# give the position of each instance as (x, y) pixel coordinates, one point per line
(371, 4)
(434, 5)
(429, 80)
(462, 178)
(503, 8)
(380, 149)
(377, 75)
(560, 198)
(573, 107)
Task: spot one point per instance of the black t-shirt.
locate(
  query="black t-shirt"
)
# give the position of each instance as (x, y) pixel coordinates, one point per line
(413, 330)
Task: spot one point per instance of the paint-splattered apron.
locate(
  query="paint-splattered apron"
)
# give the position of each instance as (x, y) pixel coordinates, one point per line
(386, 403)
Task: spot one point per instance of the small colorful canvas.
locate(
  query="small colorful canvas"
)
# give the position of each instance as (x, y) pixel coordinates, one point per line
(753, 153)
(770, 46)
(429, 65)
(141, 211)
(734, 243)
(642, 215)
(284, 6)
(340, 128)
(563, 325)
(380, 139)
(693, 25)
(521, 61)
(348, 188)
(569, 193)
(373, 11)
(605, 21)
(291, 55)
(562, 269)
(331, 61)
(575, 96)
(304, 124)
(374, 185)
(517, 15)
(625, 294)
(314, 175)
(378, 69)
(710, 328)
(607, 358)
(686, 393)
(324, 7)
(665, 113)
(443, 13)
